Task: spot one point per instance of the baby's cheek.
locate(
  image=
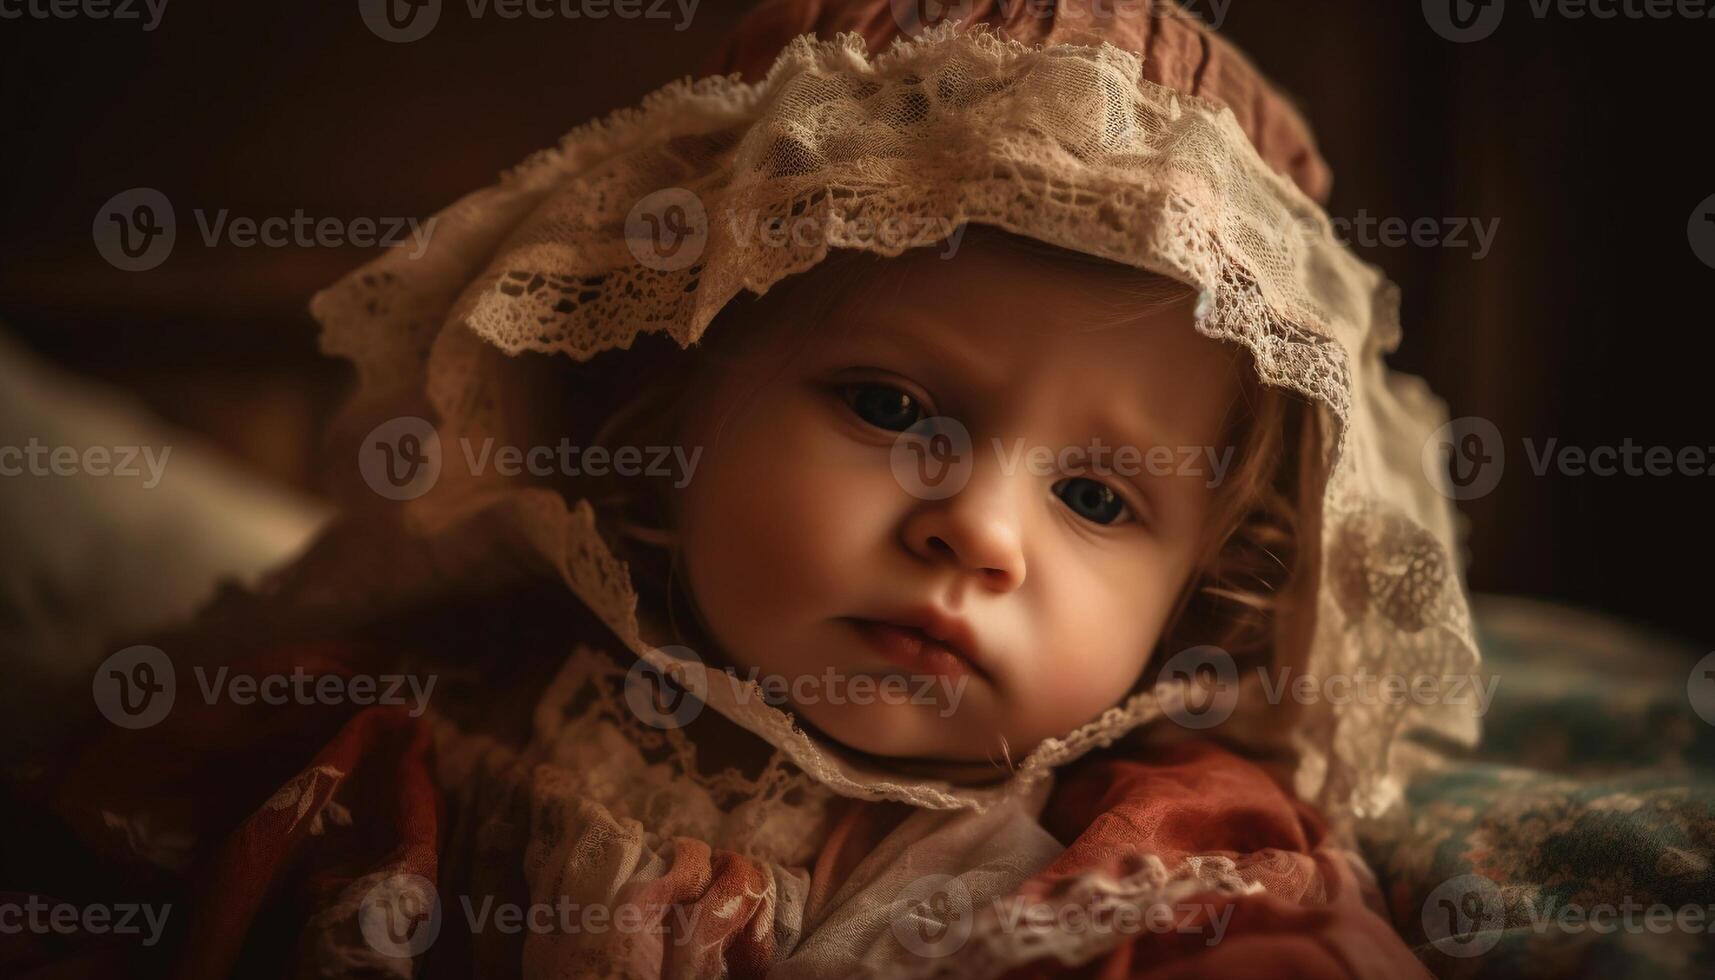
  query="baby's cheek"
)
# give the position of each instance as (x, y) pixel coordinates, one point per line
(1094, 660)
(1082, 683)
(789, 523)
(818, 511)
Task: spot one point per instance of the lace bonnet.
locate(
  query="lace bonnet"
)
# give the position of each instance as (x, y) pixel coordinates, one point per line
(1123, 130)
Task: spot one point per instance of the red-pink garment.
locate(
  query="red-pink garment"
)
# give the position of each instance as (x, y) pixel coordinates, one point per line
(1178, 52)
(289, 807)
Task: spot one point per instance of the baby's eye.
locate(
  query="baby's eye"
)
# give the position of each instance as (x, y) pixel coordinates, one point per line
(1091, 500)
(884, 406)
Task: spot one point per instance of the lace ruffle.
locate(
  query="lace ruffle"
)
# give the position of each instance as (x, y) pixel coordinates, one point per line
(1067, 144)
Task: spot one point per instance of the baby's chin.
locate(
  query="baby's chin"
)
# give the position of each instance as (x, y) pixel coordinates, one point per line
(922, 733)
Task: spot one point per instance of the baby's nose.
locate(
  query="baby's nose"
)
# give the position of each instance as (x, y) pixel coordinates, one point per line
(977, 529)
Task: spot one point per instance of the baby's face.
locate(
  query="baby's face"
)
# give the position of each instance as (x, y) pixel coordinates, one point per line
(1048, 576)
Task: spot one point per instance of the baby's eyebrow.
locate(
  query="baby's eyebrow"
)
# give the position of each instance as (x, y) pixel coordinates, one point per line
(926, 339)
(1122, 429)
(1157, 456)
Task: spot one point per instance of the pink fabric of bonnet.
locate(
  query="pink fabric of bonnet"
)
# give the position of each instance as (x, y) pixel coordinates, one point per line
(1178, 52)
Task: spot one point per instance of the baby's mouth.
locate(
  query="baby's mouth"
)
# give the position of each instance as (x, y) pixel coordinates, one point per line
(915, 649)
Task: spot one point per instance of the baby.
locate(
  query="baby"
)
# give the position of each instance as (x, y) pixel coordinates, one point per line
(1076, 539)
(960, 652)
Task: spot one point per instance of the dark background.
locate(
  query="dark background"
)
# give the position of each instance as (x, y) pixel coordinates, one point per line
(1587, 139)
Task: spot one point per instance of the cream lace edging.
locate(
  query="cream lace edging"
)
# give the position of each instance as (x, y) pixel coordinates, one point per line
(1067, 144)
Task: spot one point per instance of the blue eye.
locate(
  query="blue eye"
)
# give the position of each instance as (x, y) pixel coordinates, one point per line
(884, 406)
(1091, 500)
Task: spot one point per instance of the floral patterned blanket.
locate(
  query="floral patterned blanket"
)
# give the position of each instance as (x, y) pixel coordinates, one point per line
(1578, 839)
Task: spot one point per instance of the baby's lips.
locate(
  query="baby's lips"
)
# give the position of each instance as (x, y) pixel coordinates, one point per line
(945, 630)
(913, 650)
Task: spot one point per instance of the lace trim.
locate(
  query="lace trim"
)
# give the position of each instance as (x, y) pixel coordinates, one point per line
(1067, 144)
(996, 945)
